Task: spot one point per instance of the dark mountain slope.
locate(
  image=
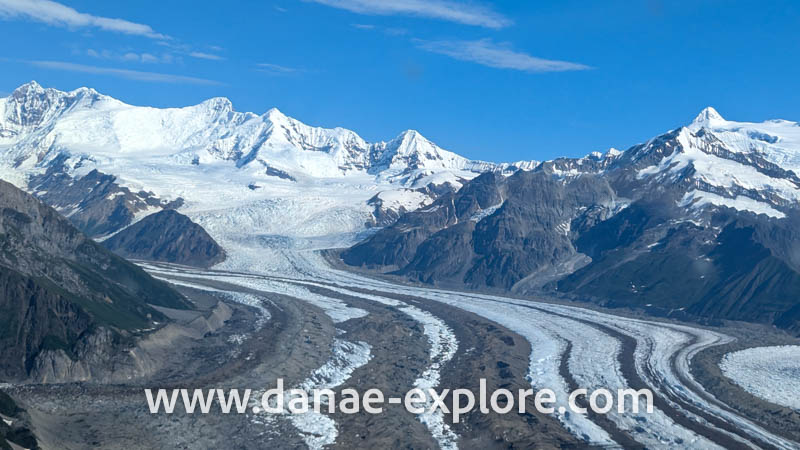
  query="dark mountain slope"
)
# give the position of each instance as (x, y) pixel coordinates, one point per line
(686, 224)
(493, 232)
(696, 272)
(531, 230)
(17, 432)
(59, 290)
(396, 246)
(167, 236)
(95, 203)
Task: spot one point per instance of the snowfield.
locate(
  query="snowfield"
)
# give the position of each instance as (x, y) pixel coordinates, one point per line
(778, 140)
(699, 199)
(772, 373)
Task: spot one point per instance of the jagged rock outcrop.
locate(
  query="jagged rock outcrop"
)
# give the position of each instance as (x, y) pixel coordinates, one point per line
(95, 203)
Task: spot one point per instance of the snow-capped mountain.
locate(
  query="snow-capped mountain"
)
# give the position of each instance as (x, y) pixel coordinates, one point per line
(746, 166)
(743, 165)
(105, 164)
(36, 123)
(701, 221)
(778, 141)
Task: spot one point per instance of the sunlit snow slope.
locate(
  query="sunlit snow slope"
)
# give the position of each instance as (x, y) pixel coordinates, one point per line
(235, 172)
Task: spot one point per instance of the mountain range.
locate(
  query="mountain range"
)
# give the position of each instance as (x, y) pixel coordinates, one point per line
(94, 158)
(698, 222)
(43, 122)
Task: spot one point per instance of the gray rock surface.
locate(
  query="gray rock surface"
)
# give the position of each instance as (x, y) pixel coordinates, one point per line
(61, 291)
(595, 229)
(167, 236)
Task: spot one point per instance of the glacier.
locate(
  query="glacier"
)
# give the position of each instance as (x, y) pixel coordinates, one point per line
(223, 164)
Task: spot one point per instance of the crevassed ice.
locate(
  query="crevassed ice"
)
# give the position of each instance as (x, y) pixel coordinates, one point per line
(772, 373)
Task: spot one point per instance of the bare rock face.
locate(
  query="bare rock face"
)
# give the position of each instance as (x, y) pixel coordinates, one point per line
(493, 232)
(633, 229)
(60, 292)
(15, 426)
(95, 203)
(167, 236)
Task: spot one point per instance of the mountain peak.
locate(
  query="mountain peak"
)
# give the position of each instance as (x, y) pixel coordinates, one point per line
(85, 90)
(275, 114)
(411, 141)
(47, 114)
(409, 136)
(219, 104)
(31, 86)
(708, 115)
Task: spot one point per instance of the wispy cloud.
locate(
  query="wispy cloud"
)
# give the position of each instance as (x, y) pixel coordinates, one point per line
(105, 54)
(153, 77)
(57, 14)
(276, 69)
(498, 55)
(279, 8)
(395, 31)
(144, 57)
(390, 31)
(130, 56)
(465, 13)
(208, 56)
(179, 48)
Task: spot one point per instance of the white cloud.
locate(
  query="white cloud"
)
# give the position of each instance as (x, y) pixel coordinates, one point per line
(137, 75)
(466, 13)
(276, 69)
(131, 56)
(501, 56)
(54, 13)
(148, 58)
(395, 31)
(391, 31)
(208, 56)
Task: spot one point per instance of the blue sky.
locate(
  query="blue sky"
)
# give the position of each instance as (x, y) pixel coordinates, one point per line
(502, 80)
